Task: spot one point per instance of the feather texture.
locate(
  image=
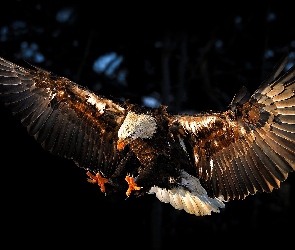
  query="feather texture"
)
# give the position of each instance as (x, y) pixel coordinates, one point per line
(194, 162)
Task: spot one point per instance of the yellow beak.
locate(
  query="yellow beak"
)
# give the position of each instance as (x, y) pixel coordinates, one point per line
(122, 143)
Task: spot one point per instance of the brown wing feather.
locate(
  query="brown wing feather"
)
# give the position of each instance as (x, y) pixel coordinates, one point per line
(250, 147)
(64, 117)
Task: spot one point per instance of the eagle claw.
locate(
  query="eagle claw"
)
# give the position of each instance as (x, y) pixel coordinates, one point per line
(131, 185)
(97, 179)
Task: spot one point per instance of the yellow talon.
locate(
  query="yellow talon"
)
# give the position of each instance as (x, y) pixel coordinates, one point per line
(97, 179)
(131, 185)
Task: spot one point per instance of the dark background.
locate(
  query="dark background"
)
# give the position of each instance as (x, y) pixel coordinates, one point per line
(191, 57)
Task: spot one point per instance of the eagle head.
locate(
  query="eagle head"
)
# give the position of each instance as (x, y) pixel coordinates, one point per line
(135, 126)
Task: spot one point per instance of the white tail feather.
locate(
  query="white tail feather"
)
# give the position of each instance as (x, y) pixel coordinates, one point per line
(190, 196)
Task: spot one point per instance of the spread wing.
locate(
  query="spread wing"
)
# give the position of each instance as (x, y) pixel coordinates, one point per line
(67, 119)
(250, 147)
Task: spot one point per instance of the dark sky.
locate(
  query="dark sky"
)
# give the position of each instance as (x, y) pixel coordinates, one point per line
(204, 53)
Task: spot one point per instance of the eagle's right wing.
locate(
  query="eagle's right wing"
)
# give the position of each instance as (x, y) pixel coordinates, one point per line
(250, 147)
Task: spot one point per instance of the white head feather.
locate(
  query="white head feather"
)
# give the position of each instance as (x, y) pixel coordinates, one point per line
(137, 126)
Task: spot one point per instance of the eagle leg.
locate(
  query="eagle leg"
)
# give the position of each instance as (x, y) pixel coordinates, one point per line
(131, 185)
(97, 179)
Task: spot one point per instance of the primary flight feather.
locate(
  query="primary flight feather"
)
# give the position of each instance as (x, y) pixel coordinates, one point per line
(194, 162)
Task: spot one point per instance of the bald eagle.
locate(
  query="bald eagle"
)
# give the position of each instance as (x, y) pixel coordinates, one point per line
(194, 162)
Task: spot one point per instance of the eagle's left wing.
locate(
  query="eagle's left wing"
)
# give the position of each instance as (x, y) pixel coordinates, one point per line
(64, 117)
(250, 147)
